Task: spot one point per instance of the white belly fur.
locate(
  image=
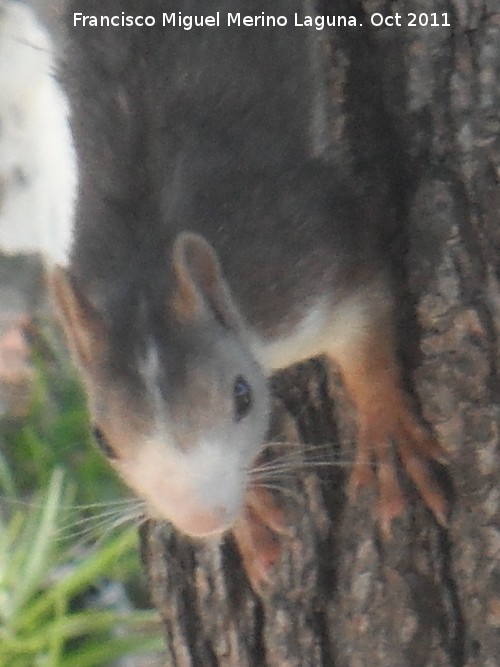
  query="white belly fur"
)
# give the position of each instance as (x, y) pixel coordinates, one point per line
(332, 330)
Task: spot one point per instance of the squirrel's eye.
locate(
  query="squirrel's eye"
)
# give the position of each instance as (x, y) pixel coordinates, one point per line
(242, 396)
(102, 443)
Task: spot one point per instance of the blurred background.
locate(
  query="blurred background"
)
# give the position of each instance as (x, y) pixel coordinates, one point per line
(71, 588)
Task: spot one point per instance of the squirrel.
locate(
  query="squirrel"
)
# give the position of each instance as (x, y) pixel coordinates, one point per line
(213, 245)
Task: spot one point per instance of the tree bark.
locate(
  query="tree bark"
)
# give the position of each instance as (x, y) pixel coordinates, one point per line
(415, 116)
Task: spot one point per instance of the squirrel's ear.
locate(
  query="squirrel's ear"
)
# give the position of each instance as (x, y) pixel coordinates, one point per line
(200, 284)
(83, 326)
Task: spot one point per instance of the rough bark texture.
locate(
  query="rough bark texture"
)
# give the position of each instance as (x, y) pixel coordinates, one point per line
(418, 107)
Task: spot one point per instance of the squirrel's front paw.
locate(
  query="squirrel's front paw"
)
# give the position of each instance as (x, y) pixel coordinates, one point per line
(386, 437)
(257, 534)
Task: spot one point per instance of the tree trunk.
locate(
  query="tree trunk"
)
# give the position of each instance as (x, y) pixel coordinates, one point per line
(415, 115)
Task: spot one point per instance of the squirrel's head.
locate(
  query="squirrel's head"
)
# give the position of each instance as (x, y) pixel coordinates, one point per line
(177, 401)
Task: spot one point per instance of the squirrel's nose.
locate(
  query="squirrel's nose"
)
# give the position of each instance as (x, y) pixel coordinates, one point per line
(199, 522)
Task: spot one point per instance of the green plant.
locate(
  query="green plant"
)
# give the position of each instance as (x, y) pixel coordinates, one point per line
(40, 580)
(55, 432)
(48, 576)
